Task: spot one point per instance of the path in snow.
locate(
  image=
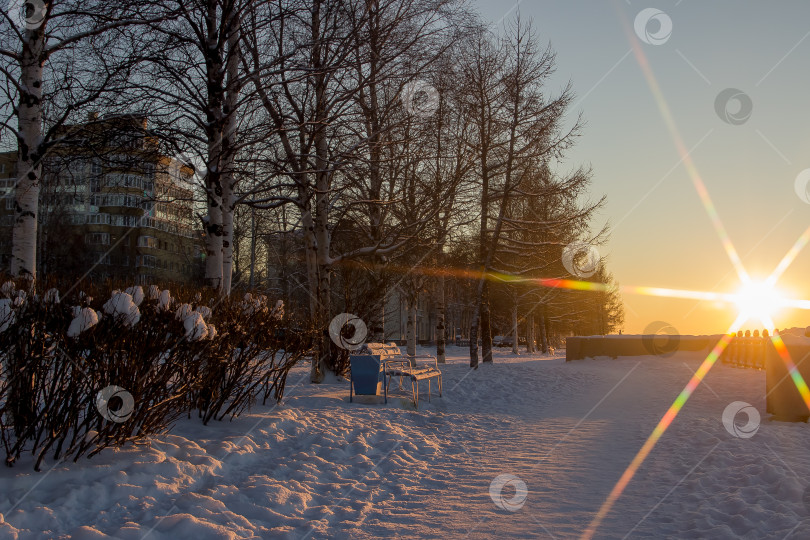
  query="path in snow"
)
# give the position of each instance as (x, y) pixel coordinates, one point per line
(320, 467)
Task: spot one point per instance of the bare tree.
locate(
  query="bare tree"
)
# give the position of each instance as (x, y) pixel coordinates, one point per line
(41, 50)
(516, 125)
(193, 86)
(334, 104)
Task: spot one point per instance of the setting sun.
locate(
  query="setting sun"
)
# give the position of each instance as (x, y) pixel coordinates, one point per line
(759, 301)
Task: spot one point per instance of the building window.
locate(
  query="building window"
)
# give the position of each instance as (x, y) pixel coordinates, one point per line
(103, 258)
(147, 261)
(97, 239)
(118, 220)
(148, 242)
(126, 180)
(119, 199)
(10, 202)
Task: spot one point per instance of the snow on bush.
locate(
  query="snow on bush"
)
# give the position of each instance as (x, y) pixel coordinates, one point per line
(86, 318)
(193, 320)
(51, 296)
(205, 311)
(195, 326)
(20, 298)
(7, 316)
(8, 288)
(219, 370)
(121, 305)
(278, 310)
(183, 311)
(253, 305)
(136, 292)
(164, 300)
(153, 292)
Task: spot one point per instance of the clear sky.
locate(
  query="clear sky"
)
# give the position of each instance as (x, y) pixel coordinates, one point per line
(662, 233)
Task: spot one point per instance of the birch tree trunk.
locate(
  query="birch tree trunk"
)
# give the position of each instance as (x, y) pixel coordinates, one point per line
(316, 373)
(530, 333)
(229, 150)
(214, 132)
(227, 234)
(29, 168)
(486, 326)
(411, 325)
(483, 73)
(474, 326)
(320, 225)
(323, 243)
(515, 327)
(213, 227)
(543, 337)
(441, 327)
(372, 114)
(29, 173)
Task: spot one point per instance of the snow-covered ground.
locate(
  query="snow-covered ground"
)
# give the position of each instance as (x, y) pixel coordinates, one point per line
(318, 466)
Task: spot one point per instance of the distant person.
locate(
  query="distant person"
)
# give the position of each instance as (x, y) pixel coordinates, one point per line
(748, 333)
(776, 331)
(739, 333)
(756, 333)
(766, 334)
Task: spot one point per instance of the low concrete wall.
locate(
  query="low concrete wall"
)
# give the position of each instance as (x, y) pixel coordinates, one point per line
(580, 347)
(783, 400)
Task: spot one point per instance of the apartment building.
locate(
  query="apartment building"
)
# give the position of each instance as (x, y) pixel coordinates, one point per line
(110, 205)
(8, 173)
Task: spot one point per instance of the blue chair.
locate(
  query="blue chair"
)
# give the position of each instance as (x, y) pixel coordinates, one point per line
(366, 374)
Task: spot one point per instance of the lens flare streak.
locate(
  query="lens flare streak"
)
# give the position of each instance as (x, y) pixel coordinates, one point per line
(659, 430)
(788, 259)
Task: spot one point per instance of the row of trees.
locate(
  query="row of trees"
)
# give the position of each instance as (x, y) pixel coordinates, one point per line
(374, 141)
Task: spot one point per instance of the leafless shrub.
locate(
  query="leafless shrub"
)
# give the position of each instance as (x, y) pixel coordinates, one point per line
(71, 394)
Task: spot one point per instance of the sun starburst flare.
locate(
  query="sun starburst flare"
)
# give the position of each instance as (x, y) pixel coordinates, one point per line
(754, 300)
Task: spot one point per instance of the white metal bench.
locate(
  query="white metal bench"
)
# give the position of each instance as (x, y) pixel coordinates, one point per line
(401, 365)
